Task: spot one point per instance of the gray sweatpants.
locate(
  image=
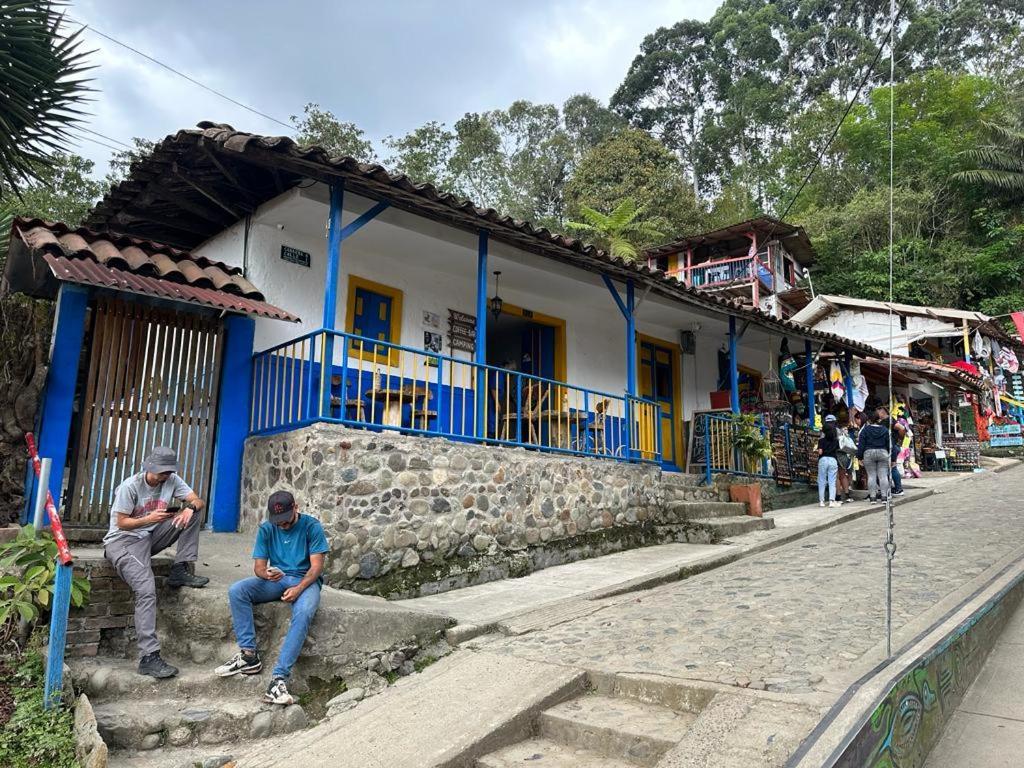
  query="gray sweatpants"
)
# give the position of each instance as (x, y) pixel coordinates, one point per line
(131, 557)
(877, 464)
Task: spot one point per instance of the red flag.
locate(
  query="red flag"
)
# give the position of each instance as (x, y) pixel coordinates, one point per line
(1018, 321)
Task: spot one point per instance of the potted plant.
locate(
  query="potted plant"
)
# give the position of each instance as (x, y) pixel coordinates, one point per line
(754, 446)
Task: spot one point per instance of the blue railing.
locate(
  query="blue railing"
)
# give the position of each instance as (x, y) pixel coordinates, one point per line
(720, 454)
(383, 386)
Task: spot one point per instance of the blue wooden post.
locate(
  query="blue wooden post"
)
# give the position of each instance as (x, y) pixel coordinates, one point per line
(480, 355)
(59, 395)
(332, 277)
(848, 378)
(630, 364)
(233, 410)
(54, 685)
(810, 383)
(734, 371)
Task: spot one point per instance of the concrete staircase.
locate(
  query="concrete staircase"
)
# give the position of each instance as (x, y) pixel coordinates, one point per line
(707, 522)
(597, 730)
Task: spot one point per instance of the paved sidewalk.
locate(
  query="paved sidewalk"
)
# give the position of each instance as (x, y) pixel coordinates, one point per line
(510, 604)
(987, 730)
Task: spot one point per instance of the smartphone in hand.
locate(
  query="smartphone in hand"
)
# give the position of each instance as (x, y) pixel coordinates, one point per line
(274, 573)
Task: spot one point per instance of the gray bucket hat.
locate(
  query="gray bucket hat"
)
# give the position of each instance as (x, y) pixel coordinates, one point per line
(161, 459)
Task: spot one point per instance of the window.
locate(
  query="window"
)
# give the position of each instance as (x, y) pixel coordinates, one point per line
(374, 312)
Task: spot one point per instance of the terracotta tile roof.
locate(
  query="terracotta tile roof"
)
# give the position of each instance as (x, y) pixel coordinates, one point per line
(124, 263)
(198, 175)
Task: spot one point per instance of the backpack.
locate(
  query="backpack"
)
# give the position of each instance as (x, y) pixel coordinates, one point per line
(846, 443)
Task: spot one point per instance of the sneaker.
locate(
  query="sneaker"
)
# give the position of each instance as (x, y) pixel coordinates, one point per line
(897, 493)
(277, 693)
(835, 504)
(242, 663)
(154, 666)
(821, 503)
(182, 577)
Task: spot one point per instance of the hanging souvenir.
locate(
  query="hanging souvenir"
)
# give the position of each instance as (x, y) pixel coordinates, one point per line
(1007, 360)
(860, 392)
(835, 378)
(980, 346)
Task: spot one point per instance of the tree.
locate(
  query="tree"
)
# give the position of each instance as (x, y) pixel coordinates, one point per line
(622, 232)
(121, 161)
(632, 164)
(41, 85)
(424, 154)
(1000, 164)
(319, 127)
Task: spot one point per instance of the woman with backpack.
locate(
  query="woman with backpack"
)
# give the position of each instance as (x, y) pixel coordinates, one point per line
(847, 450)
(828, 465)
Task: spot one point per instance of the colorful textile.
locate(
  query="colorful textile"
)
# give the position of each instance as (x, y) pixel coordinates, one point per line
(836, 384)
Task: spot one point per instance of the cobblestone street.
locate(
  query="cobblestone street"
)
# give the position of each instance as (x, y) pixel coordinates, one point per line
(790, 619)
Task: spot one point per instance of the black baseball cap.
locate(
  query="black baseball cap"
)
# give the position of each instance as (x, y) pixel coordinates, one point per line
(280, 507)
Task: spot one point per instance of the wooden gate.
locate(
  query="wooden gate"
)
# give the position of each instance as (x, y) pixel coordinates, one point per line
(151, 380)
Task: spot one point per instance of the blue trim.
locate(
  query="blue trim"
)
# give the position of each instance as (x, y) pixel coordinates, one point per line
(333, 272)
(615, 295)
(630, 339)
(363, 219)
(480, 355)
(53, 688)
(734, 373)
(809, 371)
(233, 409)
(58, 398)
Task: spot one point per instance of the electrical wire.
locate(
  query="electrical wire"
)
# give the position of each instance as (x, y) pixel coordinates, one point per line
(103, 136)
(179, 73)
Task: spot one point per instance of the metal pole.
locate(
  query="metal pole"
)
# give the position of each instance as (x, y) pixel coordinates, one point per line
(38, 519)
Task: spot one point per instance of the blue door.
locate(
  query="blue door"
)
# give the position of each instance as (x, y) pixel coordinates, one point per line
(657, 382)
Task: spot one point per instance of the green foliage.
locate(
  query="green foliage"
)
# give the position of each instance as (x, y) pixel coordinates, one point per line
(121, 161)
(319, 127)
(998, 165)
(26, 588)
(35, 737)
(621, 232)
(748, 438)
(42, 86)
(631, 164)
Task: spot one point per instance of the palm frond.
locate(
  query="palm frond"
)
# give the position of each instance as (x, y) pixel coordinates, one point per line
(996, 157)
(625, 212)
(1007, 180)
(623, 249)
(41, 87)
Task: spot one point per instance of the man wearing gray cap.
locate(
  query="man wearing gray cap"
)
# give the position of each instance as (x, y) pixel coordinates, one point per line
(152, 510)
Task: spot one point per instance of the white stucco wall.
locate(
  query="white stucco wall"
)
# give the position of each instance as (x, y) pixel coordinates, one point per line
(872, 327)
(435, 268)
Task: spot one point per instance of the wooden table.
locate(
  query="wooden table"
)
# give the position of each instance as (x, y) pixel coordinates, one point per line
(560, 424)
(394, 398)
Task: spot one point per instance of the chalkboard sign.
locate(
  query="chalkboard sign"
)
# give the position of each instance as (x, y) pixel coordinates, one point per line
(461, 331)
(696, 458)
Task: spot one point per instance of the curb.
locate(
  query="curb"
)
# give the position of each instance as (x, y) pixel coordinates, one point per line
(464, 632)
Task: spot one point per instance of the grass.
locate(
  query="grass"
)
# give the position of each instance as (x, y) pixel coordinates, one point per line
(30, 736)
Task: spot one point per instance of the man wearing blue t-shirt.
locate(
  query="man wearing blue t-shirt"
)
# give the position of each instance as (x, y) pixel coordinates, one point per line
(288, 560)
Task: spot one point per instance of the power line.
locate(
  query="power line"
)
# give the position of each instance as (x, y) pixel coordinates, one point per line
(103, 136)
(96, 141)
(179, 73)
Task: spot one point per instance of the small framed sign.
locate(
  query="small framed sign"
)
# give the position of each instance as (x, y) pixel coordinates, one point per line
(295, 256)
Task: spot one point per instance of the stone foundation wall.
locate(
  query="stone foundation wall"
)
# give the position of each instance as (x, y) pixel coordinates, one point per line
(408, 515)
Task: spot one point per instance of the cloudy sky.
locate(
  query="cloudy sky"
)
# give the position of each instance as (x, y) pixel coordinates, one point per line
(386, 65)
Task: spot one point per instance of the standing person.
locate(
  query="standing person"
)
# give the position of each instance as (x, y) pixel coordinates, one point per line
(152, 510)
(873, 452)
(844, 458)
(898, 432)
(828, 465)
(288, 560)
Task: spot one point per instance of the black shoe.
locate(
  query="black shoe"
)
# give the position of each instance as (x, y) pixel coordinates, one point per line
(243, 663)
(154, 666)
(897, 493)
(277, 693)
(181, 577)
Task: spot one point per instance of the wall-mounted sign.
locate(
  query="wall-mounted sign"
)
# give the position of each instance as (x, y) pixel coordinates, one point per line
(1005, 435)
(461, 331)
(294, 256)
(431, 319)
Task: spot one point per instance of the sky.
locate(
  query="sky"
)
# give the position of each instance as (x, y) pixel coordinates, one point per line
(385, 65)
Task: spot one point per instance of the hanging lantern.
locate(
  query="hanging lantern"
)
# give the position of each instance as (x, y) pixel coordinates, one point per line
(496, 302)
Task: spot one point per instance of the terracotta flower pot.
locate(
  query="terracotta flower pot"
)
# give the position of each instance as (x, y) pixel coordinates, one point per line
(749, 494)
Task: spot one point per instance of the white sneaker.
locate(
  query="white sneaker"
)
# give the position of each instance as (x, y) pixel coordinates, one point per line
(835, 504)
(821, 503)
(277, 693)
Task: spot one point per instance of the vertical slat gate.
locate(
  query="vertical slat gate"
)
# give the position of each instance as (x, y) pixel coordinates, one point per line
(152, 380)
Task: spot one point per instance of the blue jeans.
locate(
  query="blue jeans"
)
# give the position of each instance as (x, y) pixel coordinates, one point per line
(897, 478)
(248, 592)
(828, 469)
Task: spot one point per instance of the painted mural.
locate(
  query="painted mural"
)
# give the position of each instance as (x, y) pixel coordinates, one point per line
(909, 721)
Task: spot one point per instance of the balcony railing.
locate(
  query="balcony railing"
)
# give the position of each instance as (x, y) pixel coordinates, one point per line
(717, 274)
(382, 386)
(720, 454)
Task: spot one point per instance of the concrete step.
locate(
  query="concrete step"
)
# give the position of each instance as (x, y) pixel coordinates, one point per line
(107, 679)
(723, 527)
(143, 724)
(691, 510)
(624, 729)
(550, 754)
